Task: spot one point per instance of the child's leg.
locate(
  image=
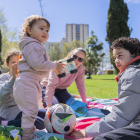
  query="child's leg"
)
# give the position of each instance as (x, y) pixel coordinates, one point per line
(17, 121)
(39, 121)
(131, 132)
(41, 113)
(62, 95)
(26, 96)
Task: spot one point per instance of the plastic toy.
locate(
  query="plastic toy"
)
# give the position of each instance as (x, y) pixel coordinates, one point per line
(69, 68)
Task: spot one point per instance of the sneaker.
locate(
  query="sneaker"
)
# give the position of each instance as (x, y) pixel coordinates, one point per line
(29, 136)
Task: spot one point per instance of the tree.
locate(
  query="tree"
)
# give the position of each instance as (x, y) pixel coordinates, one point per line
(117, 23)
(54, 52)
(9, 37)
(93, 57)
(68, 47)
(41, 7)
(0, 47)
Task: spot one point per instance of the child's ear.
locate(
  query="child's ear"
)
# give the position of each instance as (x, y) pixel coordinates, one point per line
(7, 64)
(29, 30)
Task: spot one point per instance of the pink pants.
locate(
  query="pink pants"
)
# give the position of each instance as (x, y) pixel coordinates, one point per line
(28, 96)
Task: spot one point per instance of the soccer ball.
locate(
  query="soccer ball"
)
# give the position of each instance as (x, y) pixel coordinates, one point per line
(60, 118)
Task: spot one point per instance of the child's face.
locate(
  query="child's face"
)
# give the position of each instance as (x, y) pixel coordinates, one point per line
(13, 60)
(39, 31)
(122, 57)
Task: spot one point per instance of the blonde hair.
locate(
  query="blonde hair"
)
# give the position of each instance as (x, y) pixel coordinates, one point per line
(9, 54)
(30, 21)
(71, 53)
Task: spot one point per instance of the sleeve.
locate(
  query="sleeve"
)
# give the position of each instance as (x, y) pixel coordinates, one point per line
(80, 83)
(44, 82)
(122, 113)
(37, 61)
(5, 87)
(53, 80)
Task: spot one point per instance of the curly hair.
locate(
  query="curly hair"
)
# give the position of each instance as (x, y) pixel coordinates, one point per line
(30, 21)
(130, 44)
(9, 54)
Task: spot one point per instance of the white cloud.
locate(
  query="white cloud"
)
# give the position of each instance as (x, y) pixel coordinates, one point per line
(132, 1)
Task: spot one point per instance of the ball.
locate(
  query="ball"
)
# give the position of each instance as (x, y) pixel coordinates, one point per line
(60, 118)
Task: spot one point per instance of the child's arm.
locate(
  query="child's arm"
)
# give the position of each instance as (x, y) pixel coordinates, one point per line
(80, 83)
(6, 87)
(37, 61)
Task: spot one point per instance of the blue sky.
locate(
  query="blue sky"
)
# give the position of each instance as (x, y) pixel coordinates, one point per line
(62, 12)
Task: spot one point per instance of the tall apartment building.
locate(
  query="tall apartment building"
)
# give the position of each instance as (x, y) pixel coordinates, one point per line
(76, 31)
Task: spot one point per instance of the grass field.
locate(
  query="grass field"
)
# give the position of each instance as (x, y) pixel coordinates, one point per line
(100, 86)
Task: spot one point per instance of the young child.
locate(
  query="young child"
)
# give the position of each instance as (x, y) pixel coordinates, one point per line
(33, 67)
(126, 53)
(57, 86)
(8, 107)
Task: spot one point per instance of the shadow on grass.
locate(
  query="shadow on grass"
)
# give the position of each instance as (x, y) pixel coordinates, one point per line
(107, 79)
(103, 79)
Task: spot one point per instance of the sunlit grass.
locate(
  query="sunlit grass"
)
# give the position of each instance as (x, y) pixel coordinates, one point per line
(3, 137)
(100, 86)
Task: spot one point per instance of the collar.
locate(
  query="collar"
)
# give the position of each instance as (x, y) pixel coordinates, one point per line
(133, 60)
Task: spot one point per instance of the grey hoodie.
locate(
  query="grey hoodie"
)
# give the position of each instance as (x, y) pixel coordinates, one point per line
(127, 111)
(8, 107)
(35, 61)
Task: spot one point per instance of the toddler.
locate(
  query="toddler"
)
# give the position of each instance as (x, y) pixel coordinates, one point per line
(33, 67)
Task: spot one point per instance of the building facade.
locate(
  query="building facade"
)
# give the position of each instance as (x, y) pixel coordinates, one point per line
(48, 45)
(76, 31)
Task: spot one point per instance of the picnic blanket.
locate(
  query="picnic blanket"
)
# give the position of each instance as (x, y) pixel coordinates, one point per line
(102, 107)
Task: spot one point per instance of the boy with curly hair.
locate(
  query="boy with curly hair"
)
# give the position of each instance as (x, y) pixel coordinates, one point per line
(126, 53)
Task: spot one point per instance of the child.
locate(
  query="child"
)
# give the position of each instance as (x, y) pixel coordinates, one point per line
(33, 67)
(8, 107)
(126, 53)
(57, 86)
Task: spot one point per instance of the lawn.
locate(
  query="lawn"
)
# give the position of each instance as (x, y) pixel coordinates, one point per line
(100, 86)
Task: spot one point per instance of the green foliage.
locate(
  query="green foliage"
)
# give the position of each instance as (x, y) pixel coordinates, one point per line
(68, 47)
(57, 53)
(117, 23)
(54, 52)
(8, 36)
(100, 86)
(0, 47)
(93, 57)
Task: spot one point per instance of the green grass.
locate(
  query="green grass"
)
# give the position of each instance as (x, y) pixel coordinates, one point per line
(100, 86)
(3, 137)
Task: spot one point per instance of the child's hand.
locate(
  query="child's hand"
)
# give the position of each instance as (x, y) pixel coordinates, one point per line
(48, 106)
(14, 68)
(78, 134)
(56, 72)
(60, 66)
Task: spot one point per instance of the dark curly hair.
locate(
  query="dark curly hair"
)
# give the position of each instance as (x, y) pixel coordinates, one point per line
(130, 44)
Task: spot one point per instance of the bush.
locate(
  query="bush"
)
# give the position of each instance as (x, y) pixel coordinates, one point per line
(109, 72)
